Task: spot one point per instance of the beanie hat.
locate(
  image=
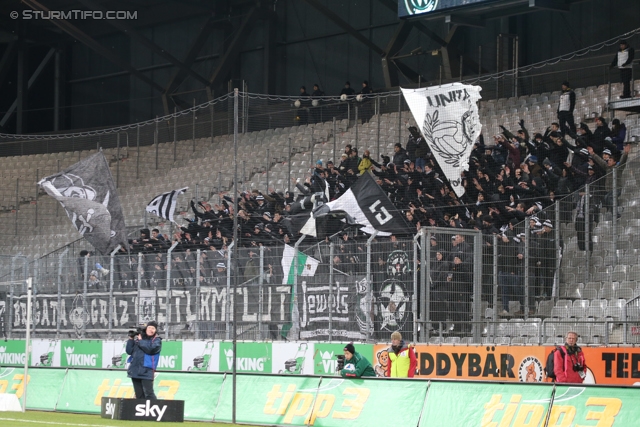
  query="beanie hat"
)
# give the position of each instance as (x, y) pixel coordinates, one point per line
(606, 151)
(566, 83)
(350, 348)
(533, 159)
(152, 323)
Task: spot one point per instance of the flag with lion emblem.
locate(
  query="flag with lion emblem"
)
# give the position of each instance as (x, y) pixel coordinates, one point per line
(448, 119)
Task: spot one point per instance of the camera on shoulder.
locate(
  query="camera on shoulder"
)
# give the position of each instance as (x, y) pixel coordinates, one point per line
(138, 331)
(340, 364)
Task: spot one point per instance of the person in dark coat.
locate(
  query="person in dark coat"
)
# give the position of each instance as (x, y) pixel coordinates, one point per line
(144, 350)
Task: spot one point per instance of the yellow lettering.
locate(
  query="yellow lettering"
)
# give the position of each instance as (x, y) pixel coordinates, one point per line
(288, 395)
(104, 386)
(3, 386)
(356, 405)
(114, 388)
(536, 412)
(299, 406)
(491, 407)
(19, 386)
(567, 412)
(272, 396)
(606, 418)
(510, 411)
(322, 408)
(126, 392)
(173, 389)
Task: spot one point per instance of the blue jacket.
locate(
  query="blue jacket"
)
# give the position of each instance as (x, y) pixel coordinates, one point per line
(145, 354)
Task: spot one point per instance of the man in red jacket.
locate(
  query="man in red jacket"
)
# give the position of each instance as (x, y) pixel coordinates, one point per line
(402, 358)
(569, 363)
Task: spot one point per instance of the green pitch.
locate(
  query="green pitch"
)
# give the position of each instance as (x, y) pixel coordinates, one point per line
(53, 419)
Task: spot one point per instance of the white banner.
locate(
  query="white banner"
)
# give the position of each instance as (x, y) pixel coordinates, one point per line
(448, 119)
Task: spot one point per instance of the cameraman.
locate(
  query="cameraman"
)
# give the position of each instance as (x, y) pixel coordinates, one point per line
(569, 363)
(144, 349)
(353, 364)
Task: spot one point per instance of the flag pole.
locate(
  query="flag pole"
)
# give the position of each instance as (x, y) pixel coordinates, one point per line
(236, 249)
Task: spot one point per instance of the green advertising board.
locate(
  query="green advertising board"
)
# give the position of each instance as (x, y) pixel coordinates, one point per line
(301, 401)
(335, 402)
(200, 392)
(324, 356)
(456, 403)
(170, 356)
(81, 353)
(266, 399)
(367, 402)
(83, 390)
(43, 386)
(12, 353)
(251, 357)
(590, 406)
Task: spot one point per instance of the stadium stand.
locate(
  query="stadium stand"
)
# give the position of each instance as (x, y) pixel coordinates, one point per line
(590, 293)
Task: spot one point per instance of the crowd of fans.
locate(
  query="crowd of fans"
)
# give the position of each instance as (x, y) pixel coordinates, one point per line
(516, 176)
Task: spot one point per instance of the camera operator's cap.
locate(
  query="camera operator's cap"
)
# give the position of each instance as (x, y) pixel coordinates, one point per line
(350, 348)
(152, 323)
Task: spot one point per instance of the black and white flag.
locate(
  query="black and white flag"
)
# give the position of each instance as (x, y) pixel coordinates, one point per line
(364, 204)
(88, 194)
(165, 204)
(448, 118)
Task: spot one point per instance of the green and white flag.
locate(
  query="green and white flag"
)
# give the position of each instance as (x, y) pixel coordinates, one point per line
(305, 266)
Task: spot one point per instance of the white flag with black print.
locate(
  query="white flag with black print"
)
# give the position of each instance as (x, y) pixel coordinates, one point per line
(448, 118)
(164, 204)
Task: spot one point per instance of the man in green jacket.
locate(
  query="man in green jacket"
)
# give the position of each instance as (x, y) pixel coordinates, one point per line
(355, 365)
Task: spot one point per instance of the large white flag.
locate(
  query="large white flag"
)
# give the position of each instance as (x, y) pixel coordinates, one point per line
(448, 119)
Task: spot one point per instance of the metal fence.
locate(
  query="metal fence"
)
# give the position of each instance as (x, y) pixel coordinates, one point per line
(442, 285)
